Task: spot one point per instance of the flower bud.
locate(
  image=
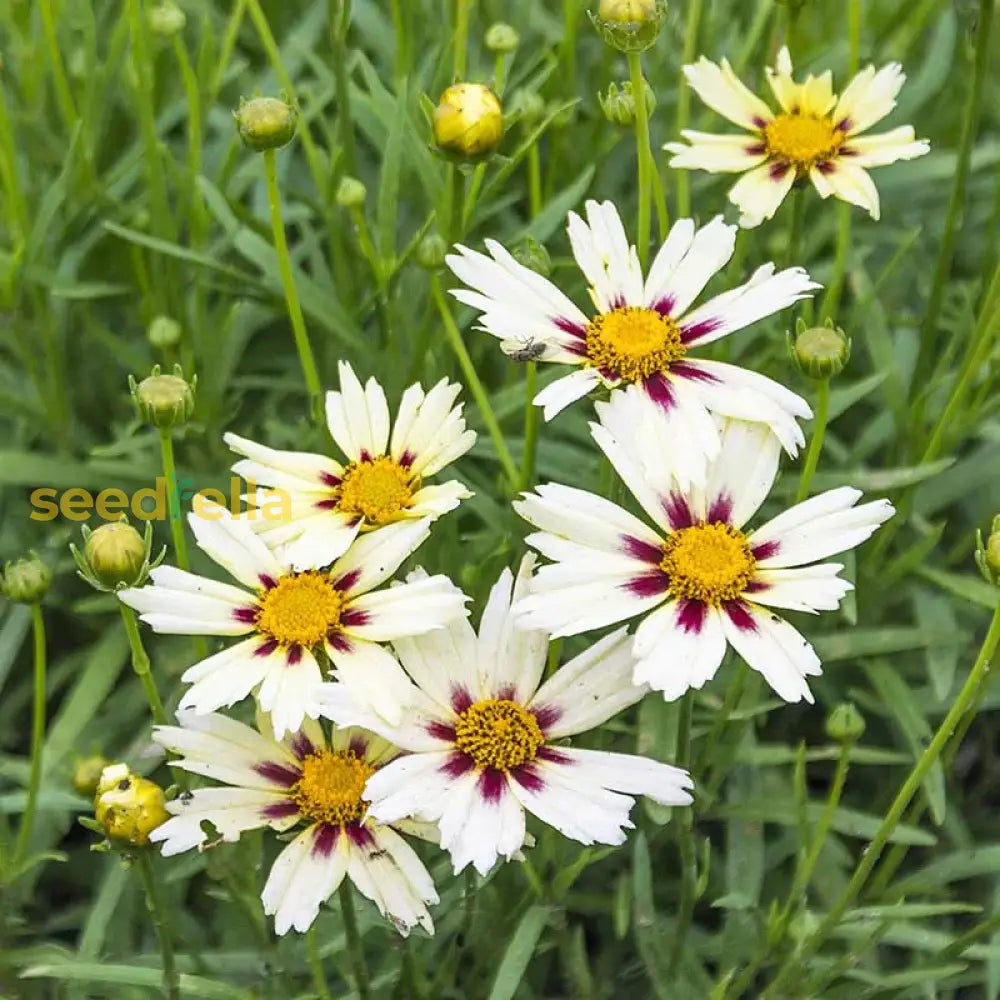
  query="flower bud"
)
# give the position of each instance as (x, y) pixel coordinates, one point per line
(468, 121)
(164, 333)
(501, 38)
(532, 254)
(26, 580)
(87, 774)
(618, 104)
(845, 724)
(167, 19)
(528, 106)
(127, 807)
(820, 351)
(431, 252)
(988, 553)
(116, 554)
(629, 25)
(164, 400)
(351, 193)
(266, 122)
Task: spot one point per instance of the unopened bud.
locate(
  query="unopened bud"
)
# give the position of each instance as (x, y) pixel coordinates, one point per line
(845, 724)
(988, 553)
(431, 252)
(468, 121)
(532, 254)
(501, 38)
(127, 807)
(116, 555)
(820, 352)
(167, 19)
(351, 193)
(266, 122)
(164, 333)
(164, 400)
(87, 774)
(629, 25)
(618, 104)
(26, 580)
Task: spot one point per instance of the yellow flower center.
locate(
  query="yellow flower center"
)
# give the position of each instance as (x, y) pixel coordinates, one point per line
(711, 563)
(633, 342)
(802, 140)
(377, 489)
(301, 609)
(498, 734)
(330, 789)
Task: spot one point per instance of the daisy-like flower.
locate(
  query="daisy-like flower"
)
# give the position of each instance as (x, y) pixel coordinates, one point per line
(484, 739)
(382, 482)
(642, 332)
(290, 616)
(304, 779)
(814, 135)
(699, 579)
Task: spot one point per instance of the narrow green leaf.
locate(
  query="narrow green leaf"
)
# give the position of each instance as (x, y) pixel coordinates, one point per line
(518, 954)
(387, 210)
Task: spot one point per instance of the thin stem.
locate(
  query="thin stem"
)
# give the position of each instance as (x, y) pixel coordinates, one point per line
(142, 666)
(531, 422)
(571, 21)
(456, 203)
(461, 40)
(903, 797)
(345, 123)
(173, 499)
(354, 940)
(683, 180)
(474, 384)
(192, 94)
(721, 719)
(643, 155)
(37, 737)
(64, 95)
(316, 965)
(685, 838)
(161, 922)
(534, 180)
(306, 359)
(226, 48)
(796, 225)
(816, 441)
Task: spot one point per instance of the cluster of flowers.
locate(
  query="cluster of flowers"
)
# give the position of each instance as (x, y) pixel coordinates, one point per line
(450, 735)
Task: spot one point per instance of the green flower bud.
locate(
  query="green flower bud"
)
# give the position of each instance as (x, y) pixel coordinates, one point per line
(164, 333)
(618, 104)
(820, 351)
(87, 774)
(431, 252)
(988, 553)
(845, 724)
(532, 254)
(167, 19)
(266, 122)
(164, 400)
(629, 25)
(26, 580)
(351, 193)
(501, 38)
(127, 807)
(468, 121)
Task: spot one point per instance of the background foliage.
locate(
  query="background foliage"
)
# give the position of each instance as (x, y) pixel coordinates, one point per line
(127, 195)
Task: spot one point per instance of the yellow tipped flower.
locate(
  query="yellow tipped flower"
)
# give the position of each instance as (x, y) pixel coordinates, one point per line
(266, 122)
(116, 554)
(468, 121)
(127, 807)
(814, 135)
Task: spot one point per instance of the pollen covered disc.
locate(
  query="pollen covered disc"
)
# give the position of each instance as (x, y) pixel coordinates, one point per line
(711, 563)
(377, 489)
(300, 609)
(802, 140)
(633, 343)
(498, 733)
(330, 789)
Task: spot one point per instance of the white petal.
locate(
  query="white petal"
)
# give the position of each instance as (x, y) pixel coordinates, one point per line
(556, 397)
(720, 88)
(305, 467)
(408, 609)
(869, 97)
(373, 678)
(476, 830)
(289, 694)
(320, 540)
(197, 607)
(358, 417)
(415, 785)
(374, 557)
(228, 677)
(602, 250)
(234, 546)
(743, 474)
(430, 428)
(717, 154)
(888, 147)
(810, 589)
(173, 578)
(845, 180)
(629, 773)
(759, 193)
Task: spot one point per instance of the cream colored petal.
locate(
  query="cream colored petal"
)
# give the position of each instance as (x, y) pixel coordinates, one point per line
(888, 147)
(719, 87)
(847, 182)
(759, 193)
(718, 154)
(869, 97)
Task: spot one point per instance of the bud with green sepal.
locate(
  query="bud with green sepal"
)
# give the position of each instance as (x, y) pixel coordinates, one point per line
(266, 122)
(531, 253)
(845, 723)
(501, 38)
(116, 556)
(164, 333)
(820, 352)
(127, 807)
(351, 193)
(164, 400)
(618, 104)
(988, 553)
(167, 19)
(431, 252)
(26, 580)
(468, 122)
(629, 25)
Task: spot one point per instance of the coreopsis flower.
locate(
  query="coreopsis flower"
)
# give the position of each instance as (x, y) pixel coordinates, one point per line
(128, 807)
(484, 737)
(814, 135)
(381, 483)
(699, 579)
(290, 618)
(309, 785)
(643, 332)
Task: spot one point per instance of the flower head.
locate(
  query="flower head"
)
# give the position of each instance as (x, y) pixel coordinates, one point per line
(290, 617)
(382, 482)
(643, 332)
(128, 807)
(266, 122)
(699, 579)
(814, 135)
(308, 784)
(468, 121)
(485, 737)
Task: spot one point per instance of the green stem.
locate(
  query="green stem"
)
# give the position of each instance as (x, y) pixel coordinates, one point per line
(571, 22)
(903, 797)
(345, 123)
(37, 737)
(816, 441)
(499, 74)
(306, 359)
(683, 180)
(721, 719)
(226, 48)
(643, 155)
(354, 940)
(456, 203)
(685, 838)
(64, 95)
(461, 40)
(161, 922)
(534, 181)
(173, 499)
(192, 94)
(474, 384)
(531, 422)
(796, 226)
(142, 666)
(316, 965)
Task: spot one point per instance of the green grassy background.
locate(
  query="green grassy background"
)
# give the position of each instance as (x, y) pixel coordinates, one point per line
(127, 195)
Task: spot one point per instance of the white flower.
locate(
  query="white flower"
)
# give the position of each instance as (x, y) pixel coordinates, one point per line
(814, 135)
(643, 331)
(382, 482)
(289, 616)
(483, 738)
(303, 779)
(698, 580)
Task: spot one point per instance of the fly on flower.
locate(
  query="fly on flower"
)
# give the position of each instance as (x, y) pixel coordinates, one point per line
(291, 616)
(699, 579)
(815, 135)
(381, 483)
(308, 784)
(641, 333)
(485, 737)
